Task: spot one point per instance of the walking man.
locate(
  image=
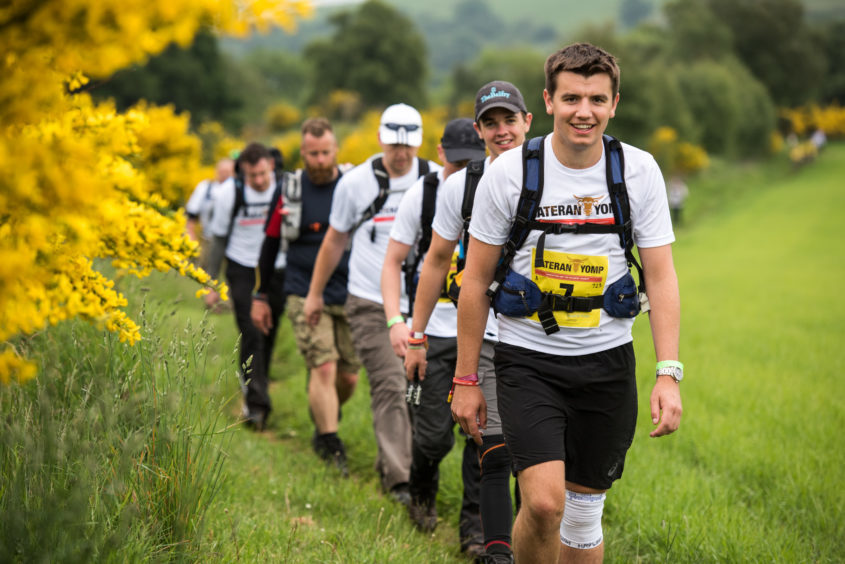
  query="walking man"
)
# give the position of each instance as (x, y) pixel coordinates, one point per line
(301, 217)
(363, 210)
(501, 121)
(240, 212)
(433, 434)
(564, 363)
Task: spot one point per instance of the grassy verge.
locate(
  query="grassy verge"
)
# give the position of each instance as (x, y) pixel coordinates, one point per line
(135, 454)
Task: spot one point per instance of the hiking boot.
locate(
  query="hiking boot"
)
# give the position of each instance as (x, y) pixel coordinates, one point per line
(497, 558)
(400, 493)
(475, 551)
(330, 448)
(423, 513)
(255, 419)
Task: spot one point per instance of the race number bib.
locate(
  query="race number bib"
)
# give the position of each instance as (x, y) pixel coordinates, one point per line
(571, 275)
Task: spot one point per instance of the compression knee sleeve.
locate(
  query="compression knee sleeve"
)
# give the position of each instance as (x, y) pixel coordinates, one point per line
(496, 509)
(581, 523)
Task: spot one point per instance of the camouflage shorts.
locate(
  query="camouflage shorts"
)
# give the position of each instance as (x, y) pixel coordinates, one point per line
(329, 341)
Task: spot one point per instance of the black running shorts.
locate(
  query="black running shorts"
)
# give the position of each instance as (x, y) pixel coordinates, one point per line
(579, 409)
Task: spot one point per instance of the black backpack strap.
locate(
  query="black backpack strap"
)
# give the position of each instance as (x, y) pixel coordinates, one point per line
(240, 200)
(474, 171)
(383, 180)
(423, 167)
(410, 266)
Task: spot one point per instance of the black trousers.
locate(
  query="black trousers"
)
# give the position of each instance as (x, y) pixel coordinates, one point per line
(256, 349)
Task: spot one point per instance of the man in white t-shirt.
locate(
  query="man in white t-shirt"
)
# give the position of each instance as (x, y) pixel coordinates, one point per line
(502, 121)
(433, 428)
(567, 391)
(363, 210)
(201, 204)
(240, 212)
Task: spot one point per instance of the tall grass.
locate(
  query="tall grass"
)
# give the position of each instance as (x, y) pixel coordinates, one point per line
(111, 453)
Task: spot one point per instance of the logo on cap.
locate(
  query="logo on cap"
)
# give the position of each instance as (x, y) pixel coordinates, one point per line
(495, 94)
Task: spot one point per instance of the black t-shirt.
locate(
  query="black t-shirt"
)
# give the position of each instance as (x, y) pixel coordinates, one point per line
(302, 253)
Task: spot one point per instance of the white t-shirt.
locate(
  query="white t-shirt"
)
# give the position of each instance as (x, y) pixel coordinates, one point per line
(588, 263)
(248, 231)
(201, 204)
(449, 224)
(407, 229)
(354, 193)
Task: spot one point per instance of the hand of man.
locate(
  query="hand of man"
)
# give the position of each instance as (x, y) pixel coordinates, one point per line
(313, 309)
(665, 406)
(415, 363)
(261, 316)
(469, 410)
(212, 298)
(399, 339)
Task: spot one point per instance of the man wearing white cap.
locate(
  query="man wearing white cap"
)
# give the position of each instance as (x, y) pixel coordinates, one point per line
(363, 209)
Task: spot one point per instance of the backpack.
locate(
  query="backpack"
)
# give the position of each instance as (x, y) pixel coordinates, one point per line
(240, 199)
(515, 295)
(474, 171)
(409, 267)
(383, 179)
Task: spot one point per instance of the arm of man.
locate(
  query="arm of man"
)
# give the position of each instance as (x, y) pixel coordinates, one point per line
(391, 288)
(260, 312)
(665, 319)
(328, 257)
(468, 406)
(434, 271)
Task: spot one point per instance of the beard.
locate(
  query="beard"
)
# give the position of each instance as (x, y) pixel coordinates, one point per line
(320, 175)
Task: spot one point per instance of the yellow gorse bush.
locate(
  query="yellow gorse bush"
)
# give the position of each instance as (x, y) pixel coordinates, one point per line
(804, 120)
(80, 181)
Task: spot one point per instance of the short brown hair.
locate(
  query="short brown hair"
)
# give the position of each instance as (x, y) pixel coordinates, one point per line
(584, 59)
(316, 126)
(253, 153)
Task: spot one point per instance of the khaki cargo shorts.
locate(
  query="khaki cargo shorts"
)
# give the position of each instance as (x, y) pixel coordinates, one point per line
(329, 341)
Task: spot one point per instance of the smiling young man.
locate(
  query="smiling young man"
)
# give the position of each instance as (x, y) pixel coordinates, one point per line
(566, 384)
(502, 121)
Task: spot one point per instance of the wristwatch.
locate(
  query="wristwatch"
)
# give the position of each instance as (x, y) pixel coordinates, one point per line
(676, 372)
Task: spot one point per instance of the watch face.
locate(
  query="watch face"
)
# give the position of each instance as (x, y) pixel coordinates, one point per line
(675, 372)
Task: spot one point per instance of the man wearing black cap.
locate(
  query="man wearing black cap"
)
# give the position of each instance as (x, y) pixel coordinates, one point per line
(433, 434)
(502, 121)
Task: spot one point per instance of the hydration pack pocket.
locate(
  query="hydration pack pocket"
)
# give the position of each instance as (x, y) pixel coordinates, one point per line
(517, 296)
(621, 298)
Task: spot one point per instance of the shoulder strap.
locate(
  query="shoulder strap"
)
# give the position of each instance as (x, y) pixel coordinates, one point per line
(474, 170)
(240, 200)
(526, 209)
(429, 203)
(409, 267)
(422, 167)
(383, 180)
(615, 167)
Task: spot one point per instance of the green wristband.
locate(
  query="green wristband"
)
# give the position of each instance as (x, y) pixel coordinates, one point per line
(394, 320)
(667, 363)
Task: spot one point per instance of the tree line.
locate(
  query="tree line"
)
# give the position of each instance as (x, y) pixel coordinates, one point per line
(715, 71)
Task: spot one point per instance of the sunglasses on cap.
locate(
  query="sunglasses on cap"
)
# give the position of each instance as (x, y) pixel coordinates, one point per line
(397, 126)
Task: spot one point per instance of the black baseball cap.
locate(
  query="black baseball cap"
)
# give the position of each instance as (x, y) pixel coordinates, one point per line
(498, 94)
(461, 142)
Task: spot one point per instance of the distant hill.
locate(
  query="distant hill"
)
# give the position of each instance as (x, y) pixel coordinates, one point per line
(453, 37)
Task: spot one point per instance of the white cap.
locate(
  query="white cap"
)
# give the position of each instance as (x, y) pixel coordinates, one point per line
(401, 125)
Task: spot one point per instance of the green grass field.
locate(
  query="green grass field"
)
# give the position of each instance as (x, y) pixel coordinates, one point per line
(755, 473)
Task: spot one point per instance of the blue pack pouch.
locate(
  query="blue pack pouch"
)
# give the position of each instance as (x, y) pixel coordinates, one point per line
(517, 296)
(621, 299)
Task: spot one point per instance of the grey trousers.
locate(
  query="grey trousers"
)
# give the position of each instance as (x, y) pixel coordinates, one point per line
(386, 376)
